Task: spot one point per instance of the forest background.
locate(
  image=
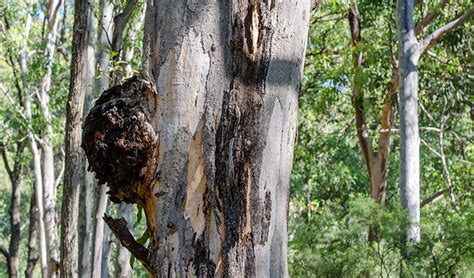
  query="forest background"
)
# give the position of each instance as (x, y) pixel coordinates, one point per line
(338, 226)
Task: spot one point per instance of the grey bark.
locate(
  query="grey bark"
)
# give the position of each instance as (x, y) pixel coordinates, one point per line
(87, 178)
(52, 16)
(227, 76)
(409, 132)
(72, 182)
(103, 43)
(38, 183)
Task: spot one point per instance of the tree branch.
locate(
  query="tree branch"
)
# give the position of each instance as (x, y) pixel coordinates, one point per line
(6, 163)
(4, 252)
(433, 198)
(120, 230)
(434, 37)
(430, 17)
(357, 93)
(120, 21)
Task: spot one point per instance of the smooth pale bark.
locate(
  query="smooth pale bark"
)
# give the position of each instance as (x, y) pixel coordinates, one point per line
(38, 180)
(52, 18)
(227, 76)
(72, 178)
(104, 31)
(32, 236)
(87, 178)
(409, 131)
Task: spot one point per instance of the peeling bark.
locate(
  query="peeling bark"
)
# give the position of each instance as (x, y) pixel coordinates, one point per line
(211, 160)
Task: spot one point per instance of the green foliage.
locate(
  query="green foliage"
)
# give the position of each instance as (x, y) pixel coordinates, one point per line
(331, 209)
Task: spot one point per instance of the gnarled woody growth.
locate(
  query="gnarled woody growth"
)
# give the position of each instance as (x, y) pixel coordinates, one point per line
(119, 140)
(121, 147)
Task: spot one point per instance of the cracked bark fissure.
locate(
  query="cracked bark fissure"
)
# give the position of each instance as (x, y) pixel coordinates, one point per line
(227, 77)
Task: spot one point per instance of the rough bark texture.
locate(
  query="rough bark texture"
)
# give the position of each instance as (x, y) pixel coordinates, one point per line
(409, 130)
(14, 174)
(227, 76)
(72, 181)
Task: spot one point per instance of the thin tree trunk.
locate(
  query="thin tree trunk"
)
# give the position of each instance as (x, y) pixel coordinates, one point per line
(409, 132)
(53, 9)
(72, 182)
(38, 186)
(87, 178)
(104, 31)
(14, 175)
(32, 235)
(216, 136)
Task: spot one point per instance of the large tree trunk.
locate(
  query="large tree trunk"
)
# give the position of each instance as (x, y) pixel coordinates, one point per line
(409, 131)
(72, 180)
(213, 139)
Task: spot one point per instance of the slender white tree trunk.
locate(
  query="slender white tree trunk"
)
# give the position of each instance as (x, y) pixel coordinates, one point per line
(409, 132)
(38, 186)
(87, 179)
(49, 201)
(104, 33)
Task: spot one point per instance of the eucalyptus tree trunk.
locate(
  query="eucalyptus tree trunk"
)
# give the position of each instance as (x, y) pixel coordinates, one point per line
(14, 174)
(104, 32)
(87, 178)
(408, 57)
(52, 16)
(211, 125)
(35, 152)
(72, 178)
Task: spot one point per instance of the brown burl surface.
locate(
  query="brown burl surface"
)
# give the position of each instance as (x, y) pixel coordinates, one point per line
(119, 140)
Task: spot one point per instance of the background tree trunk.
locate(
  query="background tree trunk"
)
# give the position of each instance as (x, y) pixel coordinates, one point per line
(87, 178)
(32, 235)
(72, 181)
(215, 190)
(409, 132)
(53, 8)
(104, 31)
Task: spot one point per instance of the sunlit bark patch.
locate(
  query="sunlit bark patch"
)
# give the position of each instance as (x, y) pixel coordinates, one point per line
(120, 142)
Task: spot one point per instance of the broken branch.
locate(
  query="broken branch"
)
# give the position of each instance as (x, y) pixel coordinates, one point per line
(121, 232)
